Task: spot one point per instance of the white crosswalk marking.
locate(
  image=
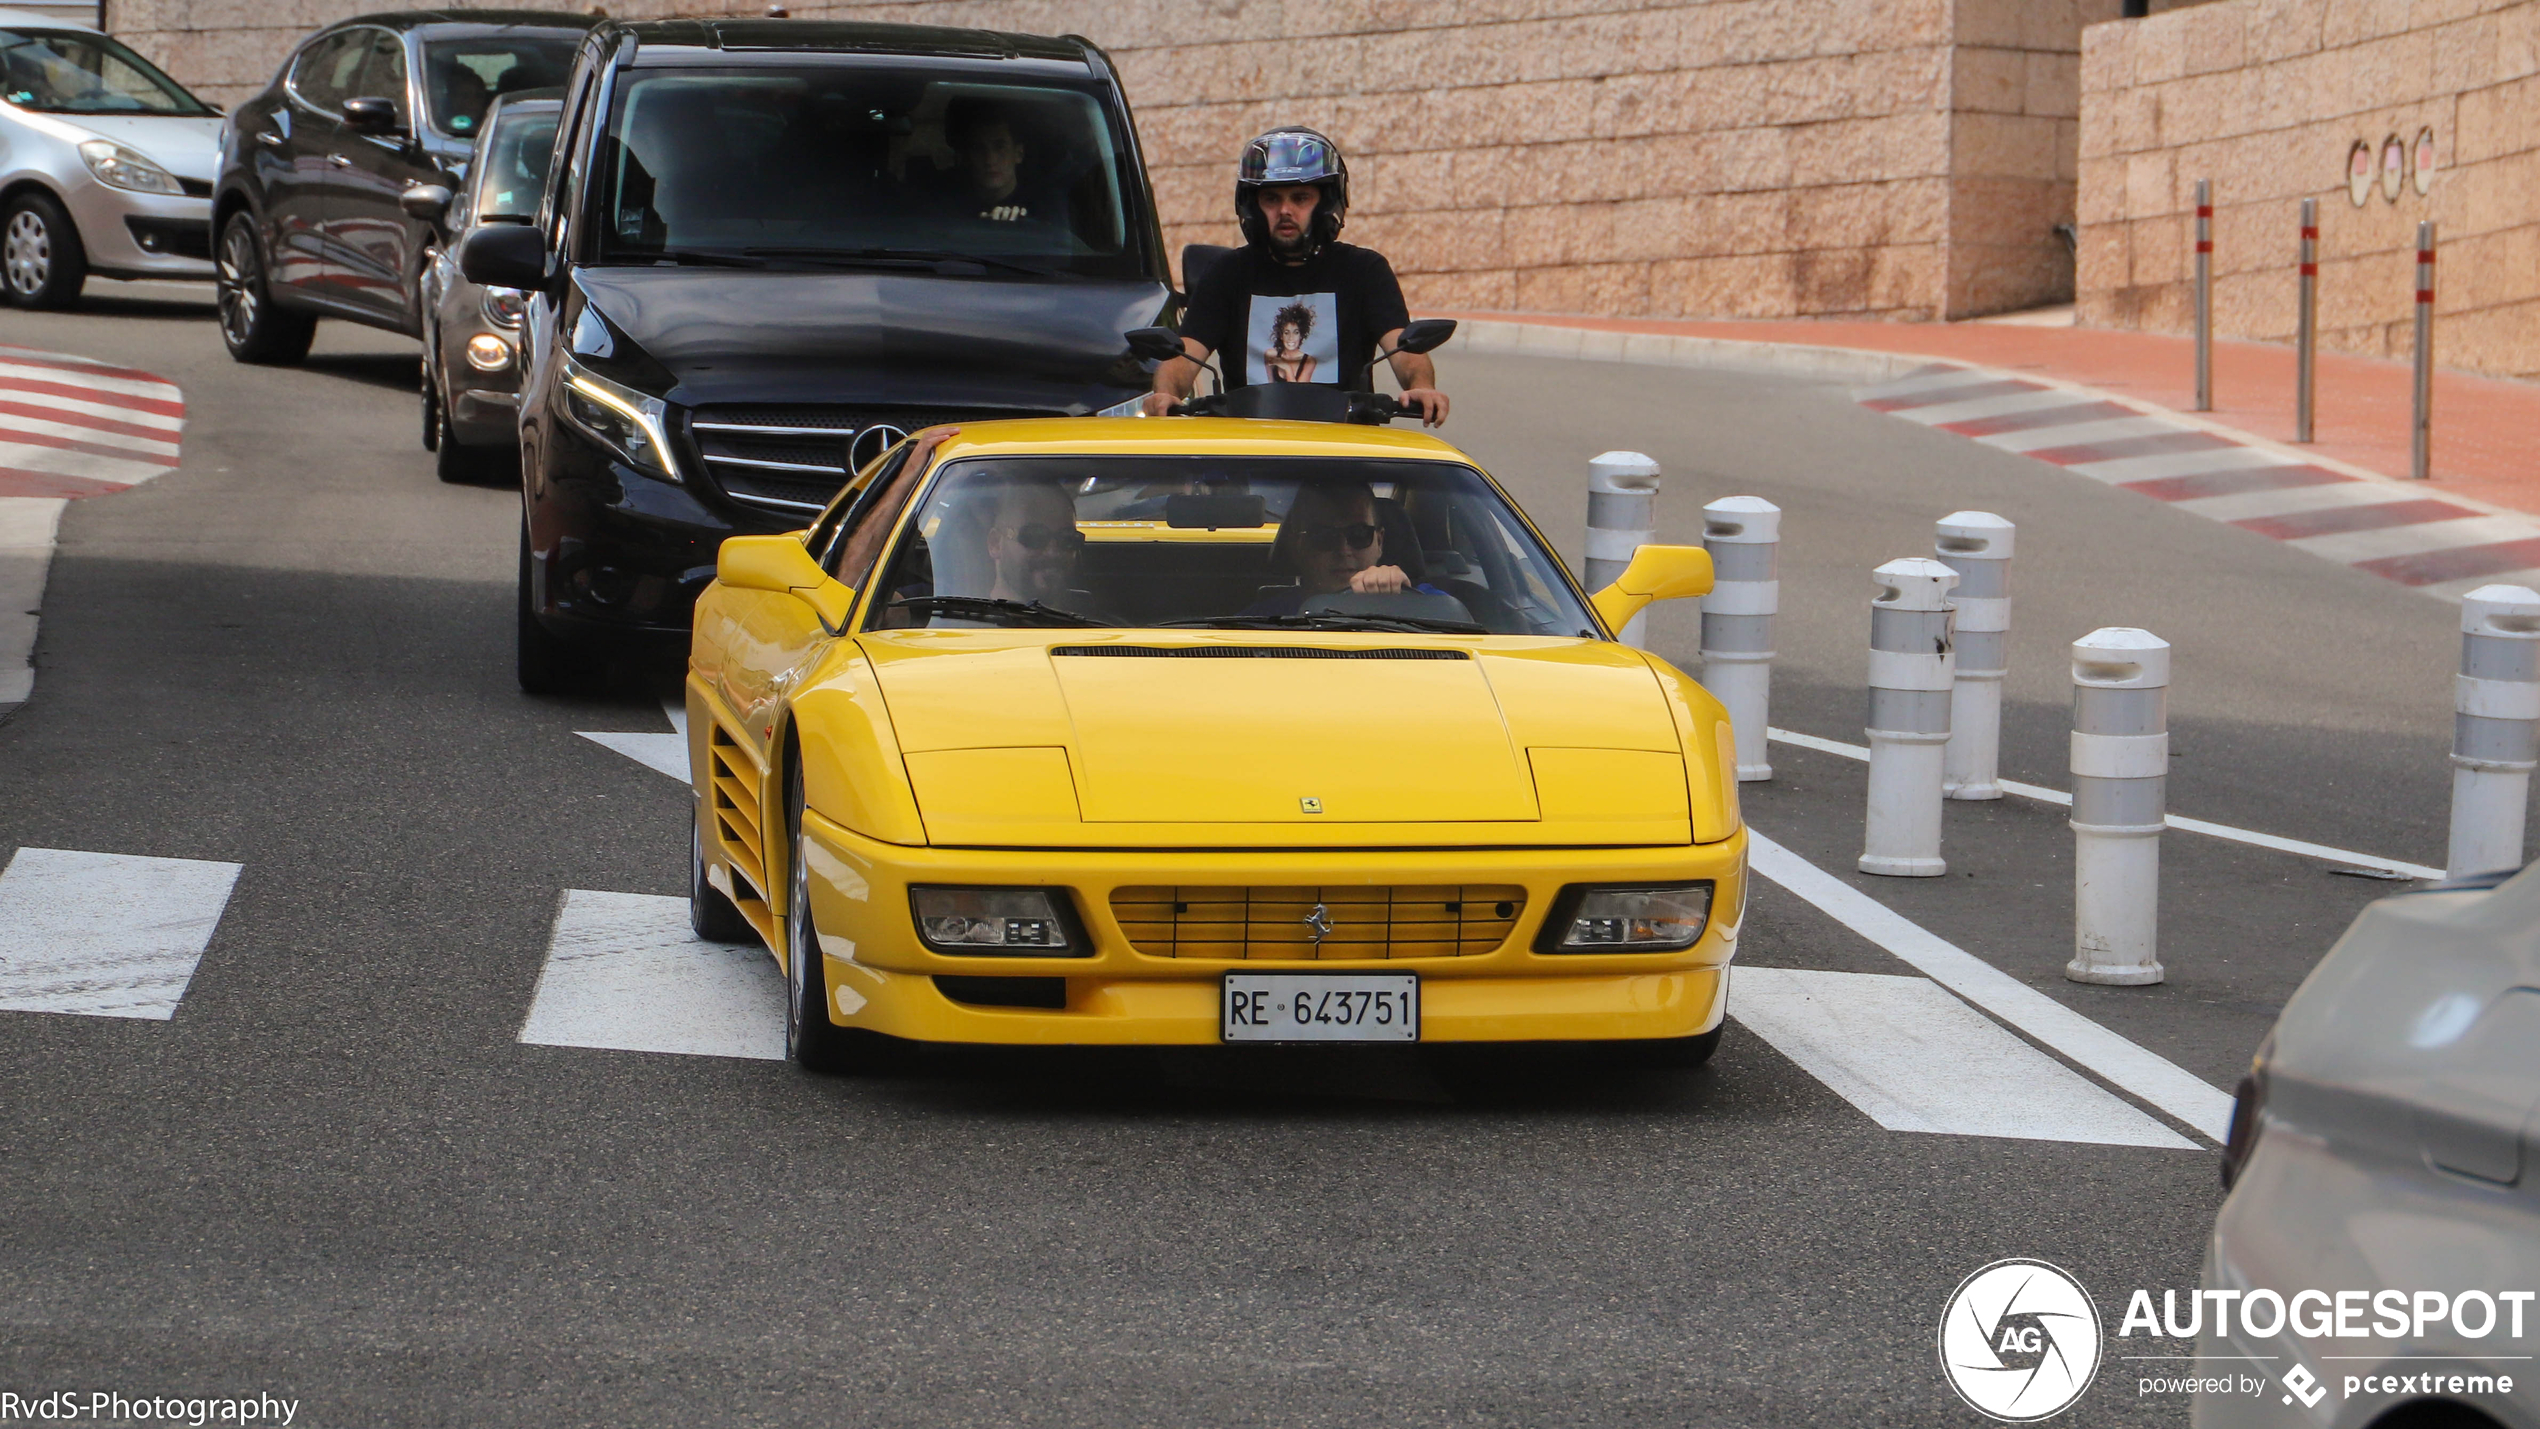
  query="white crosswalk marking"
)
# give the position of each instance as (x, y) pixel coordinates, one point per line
(625, 973)
(105, 935)
(1914, 1058)
(666, 753)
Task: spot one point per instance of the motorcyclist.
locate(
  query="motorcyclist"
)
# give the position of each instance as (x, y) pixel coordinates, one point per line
(1295, 303)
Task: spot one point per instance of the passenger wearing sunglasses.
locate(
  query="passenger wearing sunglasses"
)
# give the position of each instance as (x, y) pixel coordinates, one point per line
(1333, 542)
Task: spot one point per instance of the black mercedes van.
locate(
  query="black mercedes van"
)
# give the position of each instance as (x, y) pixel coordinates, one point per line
(772, 248)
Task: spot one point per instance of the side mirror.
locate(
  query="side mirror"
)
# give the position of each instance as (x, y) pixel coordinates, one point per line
(1156, 344)
(1426, 335)
(781, 565)
(371, 115)
(504, 255)
(425, 201)
(1656, 573)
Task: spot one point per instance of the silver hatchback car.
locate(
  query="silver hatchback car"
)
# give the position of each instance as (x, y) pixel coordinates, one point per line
(2378, 1261)
(106, 163)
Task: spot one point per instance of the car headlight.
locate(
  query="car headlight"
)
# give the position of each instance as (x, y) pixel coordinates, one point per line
(993, 922)
(1628, 918)
(628, 422)
(503, 306)
(118, 167)
(488, 353)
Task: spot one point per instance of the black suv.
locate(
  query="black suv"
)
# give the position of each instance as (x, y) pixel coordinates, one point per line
(772, 249)
(305, 214)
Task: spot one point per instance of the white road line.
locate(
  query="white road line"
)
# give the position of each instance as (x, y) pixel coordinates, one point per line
(2348, 547)
(71, 431)
(2289, 500)
(1914, 1058)
(1975, 407)
(130, 416)
(624, 973)
(2145, 1074)
(27, 527)
(103, 934)
(2073, 434)
(665, 753)
(2180, 822)
(2198, 463)
(76, 374)
(127, 471)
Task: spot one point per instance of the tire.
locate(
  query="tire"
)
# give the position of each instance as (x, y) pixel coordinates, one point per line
(812, 1041)
(711, 916)
(462, 465)
(432, 418)
(252, 326)
(42, 262)
(543, 663)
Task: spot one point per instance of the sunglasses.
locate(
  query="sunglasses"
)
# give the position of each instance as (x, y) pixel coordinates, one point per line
(1358, 536)
(1035, 536)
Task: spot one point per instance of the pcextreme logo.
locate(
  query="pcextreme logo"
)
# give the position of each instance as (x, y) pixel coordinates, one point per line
(2020, 1341)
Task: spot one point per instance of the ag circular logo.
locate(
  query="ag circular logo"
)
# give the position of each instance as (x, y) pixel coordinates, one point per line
(2020, 1341)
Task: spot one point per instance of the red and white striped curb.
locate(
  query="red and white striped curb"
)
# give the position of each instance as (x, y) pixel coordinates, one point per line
(2446, 546)
(69, 428)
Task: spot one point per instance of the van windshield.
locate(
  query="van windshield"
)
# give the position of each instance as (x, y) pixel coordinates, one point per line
(861, 167)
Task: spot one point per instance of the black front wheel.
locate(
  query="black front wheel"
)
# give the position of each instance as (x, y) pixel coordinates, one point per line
(42, 262)
(813, 1041)
(251, 325)
(543, 663)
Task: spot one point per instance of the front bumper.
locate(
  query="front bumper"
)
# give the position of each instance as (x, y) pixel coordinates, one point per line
(617, 553)
(883, 979)
(114, 223)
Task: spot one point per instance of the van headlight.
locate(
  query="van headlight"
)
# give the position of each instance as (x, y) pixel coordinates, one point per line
(120, 168)
(994, 922)
(1628, 918)
(626, 421)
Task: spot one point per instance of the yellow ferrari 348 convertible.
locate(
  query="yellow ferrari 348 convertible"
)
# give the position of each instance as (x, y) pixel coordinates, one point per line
(1201, 730)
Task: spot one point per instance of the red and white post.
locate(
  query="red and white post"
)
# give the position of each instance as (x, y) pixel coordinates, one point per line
(2421, 428)
(2204, 295)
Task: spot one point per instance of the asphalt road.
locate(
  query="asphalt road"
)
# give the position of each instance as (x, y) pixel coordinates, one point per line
(337, 1176)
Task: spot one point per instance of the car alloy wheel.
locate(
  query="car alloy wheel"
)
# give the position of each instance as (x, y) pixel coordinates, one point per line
(28, 245)
(811, 1039)
(238, 284)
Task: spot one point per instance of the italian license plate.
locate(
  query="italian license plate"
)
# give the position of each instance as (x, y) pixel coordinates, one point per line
(1319, 1007)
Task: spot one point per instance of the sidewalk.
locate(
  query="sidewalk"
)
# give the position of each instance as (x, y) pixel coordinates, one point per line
(2486, 430)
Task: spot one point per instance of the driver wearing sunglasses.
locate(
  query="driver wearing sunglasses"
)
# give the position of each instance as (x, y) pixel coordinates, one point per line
(1333, 542)
(1032, 543)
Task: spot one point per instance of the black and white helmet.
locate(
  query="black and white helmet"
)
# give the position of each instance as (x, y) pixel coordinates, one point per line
(1292, 155)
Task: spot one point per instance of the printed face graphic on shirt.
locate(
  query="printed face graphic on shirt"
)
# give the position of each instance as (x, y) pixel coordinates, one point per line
(1294, 339)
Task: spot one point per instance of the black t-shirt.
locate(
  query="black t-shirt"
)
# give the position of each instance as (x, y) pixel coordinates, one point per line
(1315, 322)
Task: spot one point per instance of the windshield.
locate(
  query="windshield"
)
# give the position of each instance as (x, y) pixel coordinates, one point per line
(511, 172)
(1311, 543)
(862, 167)
(72, 72)
(462, 77)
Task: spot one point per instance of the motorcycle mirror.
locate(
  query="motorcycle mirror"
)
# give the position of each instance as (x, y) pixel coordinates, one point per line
(1156, 343)
(425, 201)
(370, 115)
(1426, 335)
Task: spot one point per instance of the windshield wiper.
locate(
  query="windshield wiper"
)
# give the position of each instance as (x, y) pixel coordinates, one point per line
(995, 607)
(1331, 620)
(930, 258)
(701, 258)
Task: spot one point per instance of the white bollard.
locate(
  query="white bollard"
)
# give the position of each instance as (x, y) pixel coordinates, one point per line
(1911, 670)
(1977, 545)
(1622, 518)
(2120, 765)
(1743, 535)
(2496, 708)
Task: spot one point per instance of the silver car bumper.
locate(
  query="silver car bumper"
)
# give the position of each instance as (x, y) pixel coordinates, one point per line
(142, 235)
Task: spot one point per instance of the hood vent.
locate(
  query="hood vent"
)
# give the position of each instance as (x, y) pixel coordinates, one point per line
(1249, 652)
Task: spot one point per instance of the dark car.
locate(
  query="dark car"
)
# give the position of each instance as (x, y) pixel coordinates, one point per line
(471, 355)
(306, 216)
(777, 247)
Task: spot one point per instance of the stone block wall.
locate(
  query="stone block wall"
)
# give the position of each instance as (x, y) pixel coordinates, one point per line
(2266, 98)
(1714, 158)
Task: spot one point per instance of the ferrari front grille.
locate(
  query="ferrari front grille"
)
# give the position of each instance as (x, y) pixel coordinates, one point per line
(1347, 924)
